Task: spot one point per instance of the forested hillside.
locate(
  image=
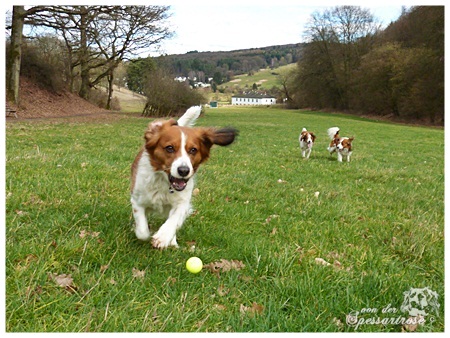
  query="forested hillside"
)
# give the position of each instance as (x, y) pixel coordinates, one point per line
(398, 71)
(223, 65)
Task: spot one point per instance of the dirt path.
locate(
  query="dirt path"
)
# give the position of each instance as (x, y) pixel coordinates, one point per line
(104, 116)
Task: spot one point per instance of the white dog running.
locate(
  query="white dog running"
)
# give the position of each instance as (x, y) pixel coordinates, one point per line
(306, 140)
(341, 145)
(162, 173)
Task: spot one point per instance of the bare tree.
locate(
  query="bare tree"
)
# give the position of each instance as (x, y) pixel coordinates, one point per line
(340, 36)
(124, 32)
(97, 38)
(73, 24)
(284, 80)
(15, 55)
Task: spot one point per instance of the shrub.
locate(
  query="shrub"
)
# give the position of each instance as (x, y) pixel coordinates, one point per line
(166, 97)
(43, 61)
(99, 98)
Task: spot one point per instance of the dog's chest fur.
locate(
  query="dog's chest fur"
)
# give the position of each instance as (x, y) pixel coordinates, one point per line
(151, 189)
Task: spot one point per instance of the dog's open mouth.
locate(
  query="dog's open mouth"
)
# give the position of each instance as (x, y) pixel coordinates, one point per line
(178, 183)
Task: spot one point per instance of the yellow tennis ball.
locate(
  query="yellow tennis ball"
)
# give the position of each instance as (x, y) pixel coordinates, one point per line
(194, 265)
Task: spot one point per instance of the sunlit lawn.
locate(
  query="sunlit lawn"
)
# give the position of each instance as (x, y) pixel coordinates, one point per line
(378, 221)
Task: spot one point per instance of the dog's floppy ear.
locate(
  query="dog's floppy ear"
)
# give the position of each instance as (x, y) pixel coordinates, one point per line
(313, 136)
(154, 129)
(221, 137)
(351, 139)
(303, 135)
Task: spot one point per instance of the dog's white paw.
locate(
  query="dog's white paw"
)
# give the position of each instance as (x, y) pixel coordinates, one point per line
(162, 240)
(142, 234)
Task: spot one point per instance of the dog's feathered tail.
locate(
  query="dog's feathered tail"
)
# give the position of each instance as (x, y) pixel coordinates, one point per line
(332, 132)
(188, 119)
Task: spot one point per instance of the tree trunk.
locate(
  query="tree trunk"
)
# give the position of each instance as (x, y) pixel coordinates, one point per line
(15, 54)
(84, 54)
(110, 89)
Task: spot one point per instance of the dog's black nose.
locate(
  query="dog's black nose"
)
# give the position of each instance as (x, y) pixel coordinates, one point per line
(183, 170)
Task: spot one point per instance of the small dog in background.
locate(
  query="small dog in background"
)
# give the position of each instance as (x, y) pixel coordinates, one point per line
(306, 140)
(341, 145)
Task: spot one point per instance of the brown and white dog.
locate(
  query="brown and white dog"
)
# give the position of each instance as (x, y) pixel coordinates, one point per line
(306, 140)
(163, 172)
(341, 145)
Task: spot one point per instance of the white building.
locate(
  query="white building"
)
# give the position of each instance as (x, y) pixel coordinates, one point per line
(253, 99)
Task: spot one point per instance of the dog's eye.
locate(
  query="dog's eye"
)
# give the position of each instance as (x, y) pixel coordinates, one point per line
(170, 149)
(193, 151)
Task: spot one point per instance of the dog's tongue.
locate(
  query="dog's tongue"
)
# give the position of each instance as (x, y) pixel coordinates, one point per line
(178, 183)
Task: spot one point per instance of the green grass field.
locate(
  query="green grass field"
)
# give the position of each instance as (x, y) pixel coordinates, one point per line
(73, 263)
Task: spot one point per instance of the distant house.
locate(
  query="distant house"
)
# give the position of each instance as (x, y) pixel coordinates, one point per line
(250, 99)
(201, 85)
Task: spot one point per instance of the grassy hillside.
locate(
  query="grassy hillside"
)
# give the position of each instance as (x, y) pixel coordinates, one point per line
(130, 102)
(315, 241)
(264, 78)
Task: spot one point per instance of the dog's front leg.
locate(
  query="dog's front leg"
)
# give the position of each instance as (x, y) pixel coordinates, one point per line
(166, 234)
(339, 156)
(141, 228)
(308, 153)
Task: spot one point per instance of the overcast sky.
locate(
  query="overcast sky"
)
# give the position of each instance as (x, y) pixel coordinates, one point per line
(230, 25)
(224, 25)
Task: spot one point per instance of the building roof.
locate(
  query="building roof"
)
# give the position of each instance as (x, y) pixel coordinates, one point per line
(253, 96)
